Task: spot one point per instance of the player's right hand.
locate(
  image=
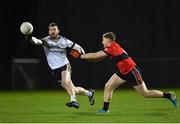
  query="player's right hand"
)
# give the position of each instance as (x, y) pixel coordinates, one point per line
(36, 41)
(75, 54)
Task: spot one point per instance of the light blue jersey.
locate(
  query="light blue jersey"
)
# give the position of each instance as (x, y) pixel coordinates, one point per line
(56, 51)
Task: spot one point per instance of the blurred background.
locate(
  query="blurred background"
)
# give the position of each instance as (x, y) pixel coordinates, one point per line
(147, 29)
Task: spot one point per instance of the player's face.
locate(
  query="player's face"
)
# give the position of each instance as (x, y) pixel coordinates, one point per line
(105, 41)
(53, 32)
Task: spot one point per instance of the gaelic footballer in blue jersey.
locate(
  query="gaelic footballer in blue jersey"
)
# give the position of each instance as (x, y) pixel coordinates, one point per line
(55, 47)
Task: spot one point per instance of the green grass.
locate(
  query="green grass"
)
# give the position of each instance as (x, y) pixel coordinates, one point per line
(49, 106)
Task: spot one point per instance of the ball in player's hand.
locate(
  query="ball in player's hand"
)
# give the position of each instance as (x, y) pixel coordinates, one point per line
(75, 53)
(26, 28)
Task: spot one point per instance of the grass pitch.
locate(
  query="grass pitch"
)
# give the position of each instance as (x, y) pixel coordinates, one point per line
(49, 106)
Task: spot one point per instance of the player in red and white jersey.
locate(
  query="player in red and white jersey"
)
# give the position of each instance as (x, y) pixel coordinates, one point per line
(127, 71)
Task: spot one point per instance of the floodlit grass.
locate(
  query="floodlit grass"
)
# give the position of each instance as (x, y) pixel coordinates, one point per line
(49, 106)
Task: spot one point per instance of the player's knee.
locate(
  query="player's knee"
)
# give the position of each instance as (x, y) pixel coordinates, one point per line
(108, 87)
(65, 84)
(76, 90)
(145, 94)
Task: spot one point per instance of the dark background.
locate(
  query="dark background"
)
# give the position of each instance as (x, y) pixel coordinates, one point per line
(147, 29)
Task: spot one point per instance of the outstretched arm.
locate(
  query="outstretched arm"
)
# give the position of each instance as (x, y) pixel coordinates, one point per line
(36, 41)
(33, 40)
(97, 56)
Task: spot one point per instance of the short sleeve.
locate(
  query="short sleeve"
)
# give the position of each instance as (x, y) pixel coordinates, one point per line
(107, 50)
(45, 40)
(69, 43)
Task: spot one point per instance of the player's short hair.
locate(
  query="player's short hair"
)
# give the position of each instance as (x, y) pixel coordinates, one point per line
(53, 24)
(110, 35)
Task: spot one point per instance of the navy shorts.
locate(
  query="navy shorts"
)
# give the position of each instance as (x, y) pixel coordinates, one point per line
(134, 77)
(57, 72)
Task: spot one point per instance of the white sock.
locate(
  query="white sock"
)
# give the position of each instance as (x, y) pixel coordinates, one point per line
(88, 94)
(73, 98)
